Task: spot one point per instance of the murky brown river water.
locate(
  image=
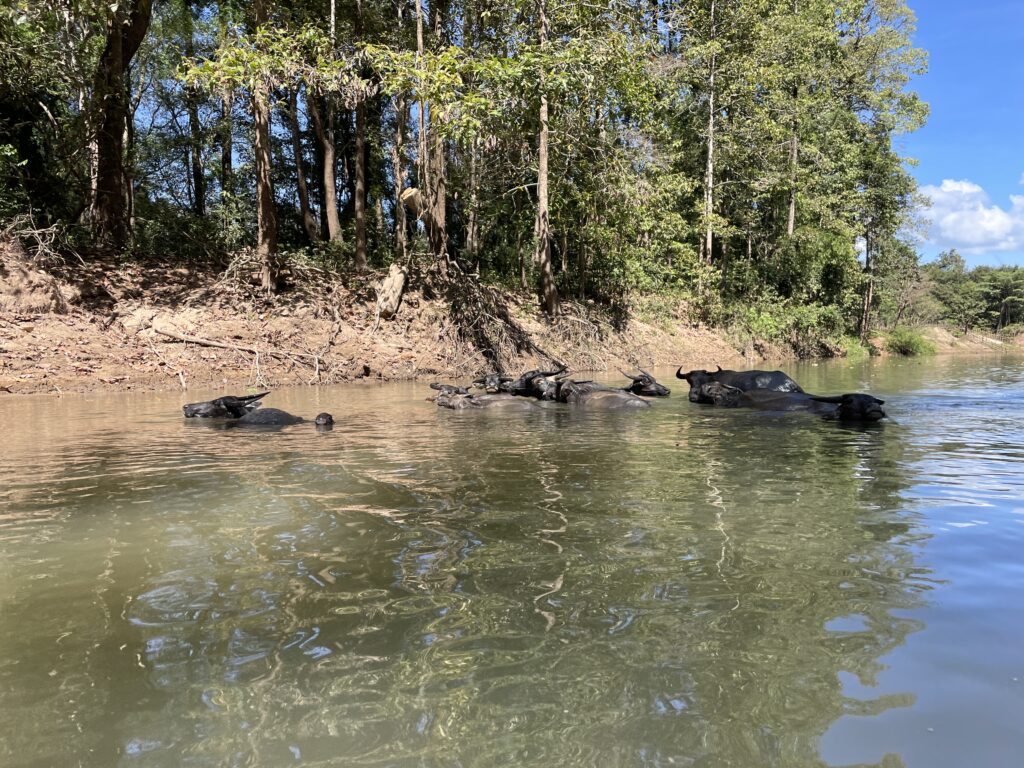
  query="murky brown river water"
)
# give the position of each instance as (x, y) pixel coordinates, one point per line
(683, 586)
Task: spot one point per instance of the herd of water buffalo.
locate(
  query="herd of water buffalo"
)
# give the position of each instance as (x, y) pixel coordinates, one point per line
(762, 390)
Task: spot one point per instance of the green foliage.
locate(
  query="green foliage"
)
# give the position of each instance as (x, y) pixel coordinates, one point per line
(769, 126)
(810, 330)
(907, 342)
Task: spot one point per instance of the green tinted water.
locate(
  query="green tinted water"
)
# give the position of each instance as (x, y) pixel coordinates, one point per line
(683, 586)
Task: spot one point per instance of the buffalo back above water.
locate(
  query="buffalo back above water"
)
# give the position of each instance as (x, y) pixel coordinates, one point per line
(745, 381)
(850, 407)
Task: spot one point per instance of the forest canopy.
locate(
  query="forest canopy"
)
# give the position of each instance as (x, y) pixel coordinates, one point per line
(738, 155)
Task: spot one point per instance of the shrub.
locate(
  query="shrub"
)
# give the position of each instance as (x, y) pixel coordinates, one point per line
(904, 341)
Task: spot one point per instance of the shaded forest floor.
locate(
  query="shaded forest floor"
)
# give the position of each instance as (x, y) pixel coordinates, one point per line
(163, 326)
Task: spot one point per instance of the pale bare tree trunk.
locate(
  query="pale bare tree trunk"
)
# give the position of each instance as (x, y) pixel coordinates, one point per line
(266, 217)
(709, 170)
(308, 220)
(869, 289)
(548, 290)
(793, 158)
(401, 116)
(472, 224)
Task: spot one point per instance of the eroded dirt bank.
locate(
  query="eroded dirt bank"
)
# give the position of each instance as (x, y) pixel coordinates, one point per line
(173, 328)
(160, 327)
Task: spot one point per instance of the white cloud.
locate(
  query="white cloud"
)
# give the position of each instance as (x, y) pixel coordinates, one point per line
(963, 217)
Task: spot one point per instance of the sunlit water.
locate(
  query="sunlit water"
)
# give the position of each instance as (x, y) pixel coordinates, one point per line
(683, 586)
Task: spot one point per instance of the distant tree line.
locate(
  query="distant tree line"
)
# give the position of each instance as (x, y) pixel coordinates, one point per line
(945, 291)
(732, 152)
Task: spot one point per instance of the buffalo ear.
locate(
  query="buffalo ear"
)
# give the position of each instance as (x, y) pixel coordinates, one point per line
(836, 399)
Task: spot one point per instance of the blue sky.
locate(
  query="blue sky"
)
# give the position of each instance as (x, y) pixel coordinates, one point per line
(971, 151)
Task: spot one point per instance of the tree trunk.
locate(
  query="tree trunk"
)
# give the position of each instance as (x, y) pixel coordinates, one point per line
(195, 129)
(793, 157)
(869, 288)
(472, 223)
(360, 187)
(398, 173)
(325, 138)
(709, 170)
(359, 191)
(126, 28)
(266, 217)
(227, 105)
(308, 220)
(548, 290)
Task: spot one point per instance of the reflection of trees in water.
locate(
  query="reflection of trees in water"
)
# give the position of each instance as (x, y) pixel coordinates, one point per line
(566, 589)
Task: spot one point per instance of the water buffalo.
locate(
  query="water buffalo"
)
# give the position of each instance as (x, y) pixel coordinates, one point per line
(848, 407)
(745, 381)
(501, 401)
(266, 417)
(645, 385)
(530, 384)
(227, 407)
(244, 411)
(590, 394)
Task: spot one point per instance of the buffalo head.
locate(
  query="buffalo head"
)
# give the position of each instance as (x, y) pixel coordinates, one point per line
(716, 393)
(645, 385)
(227, 407)
(697, 380)
(854, 407)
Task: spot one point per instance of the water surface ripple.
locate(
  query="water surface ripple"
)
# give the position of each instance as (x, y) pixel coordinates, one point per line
(683, 586)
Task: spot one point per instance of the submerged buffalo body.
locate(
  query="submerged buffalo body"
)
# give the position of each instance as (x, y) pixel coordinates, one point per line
(267, 417)
(590, 394)
(745, 381)
(645, 386)
(457, 401)
(848, 407)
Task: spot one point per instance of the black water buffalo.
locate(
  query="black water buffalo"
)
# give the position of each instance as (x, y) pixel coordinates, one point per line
(502, 401)
(645, 385)
(590, 394)
(745, 381)
(244, 411)
(227, 407)
(848, 407)
(266, 417)
(530, 384)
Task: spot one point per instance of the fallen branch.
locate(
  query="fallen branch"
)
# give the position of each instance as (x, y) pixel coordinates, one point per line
(278, 353)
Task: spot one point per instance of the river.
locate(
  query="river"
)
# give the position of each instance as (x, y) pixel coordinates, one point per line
(685, 586)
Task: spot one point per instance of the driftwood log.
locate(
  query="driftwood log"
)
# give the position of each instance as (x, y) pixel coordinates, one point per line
(389, 296)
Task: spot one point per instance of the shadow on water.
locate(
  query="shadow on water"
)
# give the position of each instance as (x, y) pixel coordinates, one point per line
(679, 586)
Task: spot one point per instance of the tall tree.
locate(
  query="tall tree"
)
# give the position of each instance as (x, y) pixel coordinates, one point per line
(266, 215)
(127, 22)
